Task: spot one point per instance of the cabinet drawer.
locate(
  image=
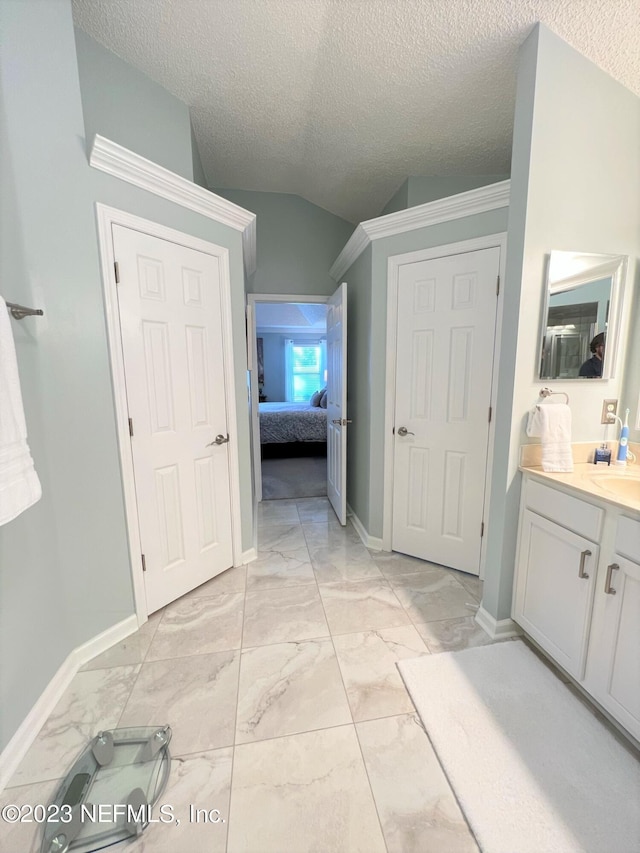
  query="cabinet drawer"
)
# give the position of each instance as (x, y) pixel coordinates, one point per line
(581, 517)
(628, 538)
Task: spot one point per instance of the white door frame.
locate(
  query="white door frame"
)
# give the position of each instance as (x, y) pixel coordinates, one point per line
(252, 363)
(107, 217)
(393, 273)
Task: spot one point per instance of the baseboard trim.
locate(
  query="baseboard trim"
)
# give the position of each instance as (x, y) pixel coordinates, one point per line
(27, 732)
(17, 747)
(497, 629)
(248, 556)
(101, 642)
(373, 542)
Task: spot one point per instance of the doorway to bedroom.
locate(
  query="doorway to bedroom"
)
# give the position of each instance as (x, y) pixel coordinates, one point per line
(289, 399)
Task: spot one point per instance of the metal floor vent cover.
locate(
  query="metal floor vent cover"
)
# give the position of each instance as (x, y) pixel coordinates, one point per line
(109, 792)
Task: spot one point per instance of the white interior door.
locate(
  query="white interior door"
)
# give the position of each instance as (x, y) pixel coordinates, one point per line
(445, 342)
(337, 402)
(171, 325)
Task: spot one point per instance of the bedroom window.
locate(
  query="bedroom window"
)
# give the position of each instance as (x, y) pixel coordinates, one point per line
(305, 369)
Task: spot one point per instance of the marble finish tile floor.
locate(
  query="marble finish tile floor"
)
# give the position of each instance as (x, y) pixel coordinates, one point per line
(289, 716)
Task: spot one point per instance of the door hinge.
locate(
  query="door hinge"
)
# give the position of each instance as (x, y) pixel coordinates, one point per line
(116, 267)
(490, 413)
(482, 530)
(498, 286)
(130, 426)
(144, 563)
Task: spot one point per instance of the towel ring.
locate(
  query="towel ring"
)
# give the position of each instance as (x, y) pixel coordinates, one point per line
(547, 392)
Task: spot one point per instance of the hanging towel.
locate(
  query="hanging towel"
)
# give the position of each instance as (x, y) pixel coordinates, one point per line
(19, 483)
(551, 422)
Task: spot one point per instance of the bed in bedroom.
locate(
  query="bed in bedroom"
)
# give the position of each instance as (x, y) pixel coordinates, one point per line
(292, 429)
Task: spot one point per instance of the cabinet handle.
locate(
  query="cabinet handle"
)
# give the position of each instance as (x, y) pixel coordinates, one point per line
(583, 557)
(607, 583)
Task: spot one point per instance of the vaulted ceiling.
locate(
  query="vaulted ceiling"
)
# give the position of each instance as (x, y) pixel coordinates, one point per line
(340, 100)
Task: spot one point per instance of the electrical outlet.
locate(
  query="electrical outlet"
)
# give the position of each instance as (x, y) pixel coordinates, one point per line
(609, 411)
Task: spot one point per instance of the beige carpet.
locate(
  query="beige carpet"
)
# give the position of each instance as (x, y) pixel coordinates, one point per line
(302, 477)
(534, 770)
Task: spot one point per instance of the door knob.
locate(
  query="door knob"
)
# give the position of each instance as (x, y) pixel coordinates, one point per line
(219, 439)
(404, 431)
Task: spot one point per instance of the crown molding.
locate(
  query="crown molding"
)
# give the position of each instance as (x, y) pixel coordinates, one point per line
(114, 159)
(355, 246)
(458, 206)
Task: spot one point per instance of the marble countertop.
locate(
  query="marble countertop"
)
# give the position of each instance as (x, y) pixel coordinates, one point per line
(615, 484)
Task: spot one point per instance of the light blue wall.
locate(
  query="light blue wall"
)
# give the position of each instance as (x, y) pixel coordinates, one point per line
(574, 187)
(398, 201)
(199, 176)
(297, 242)
(421, 189)
(124, 105)
(273, 349)
(64, 564)
(64, 567)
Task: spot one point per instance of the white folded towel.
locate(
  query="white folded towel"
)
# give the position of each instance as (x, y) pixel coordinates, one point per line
(551, 422)
(19, 483)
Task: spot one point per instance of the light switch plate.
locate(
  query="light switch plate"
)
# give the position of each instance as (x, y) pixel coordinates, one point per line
(609, 409)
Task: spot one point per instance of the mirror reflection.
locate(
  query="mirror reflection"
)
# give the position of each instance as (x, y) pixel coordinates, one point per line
(579, 333)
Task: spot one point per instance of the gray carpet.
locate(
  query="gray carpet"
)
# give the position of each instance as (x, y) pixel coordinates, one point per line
(302, 477)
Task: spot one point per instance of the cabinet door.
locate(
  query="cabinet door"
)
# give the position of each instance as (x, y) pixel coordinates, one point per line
(614, 654)
(555, 579)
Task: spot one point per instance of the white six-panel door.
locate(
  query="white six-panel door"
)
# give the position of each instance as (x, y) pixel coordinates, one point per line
(170, 317)
(445, 343)
(337, 402)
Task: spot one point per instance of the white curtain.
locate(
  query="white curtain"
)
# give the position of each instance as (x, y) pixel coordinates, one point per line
(288, 370)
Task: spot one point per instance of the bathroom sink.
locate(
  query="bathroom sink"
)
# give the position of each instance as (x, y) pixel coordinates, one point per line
(622, 487)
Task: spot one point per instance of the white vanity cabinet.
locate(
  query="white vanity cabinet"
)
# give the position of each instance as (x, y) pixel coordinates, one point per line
(577, 593)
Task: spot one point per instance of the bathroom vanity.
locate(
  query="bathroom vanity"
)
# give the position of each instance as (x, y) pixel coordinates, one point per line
(577, 580)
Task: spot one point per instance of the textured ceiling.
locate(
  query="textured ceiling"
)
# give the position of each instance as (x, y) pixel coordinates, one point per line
(301, 316)
(340, 100)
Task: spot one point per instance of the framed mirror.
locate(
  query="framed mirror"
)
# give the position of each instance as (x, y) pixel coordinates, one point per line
(581, 316)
